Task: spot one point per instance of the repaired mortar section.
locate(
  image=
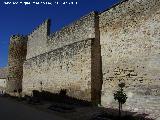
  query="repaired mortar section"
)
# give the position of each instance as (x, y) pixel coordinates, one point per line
(64, 60)
(16, 58)
(130, 47)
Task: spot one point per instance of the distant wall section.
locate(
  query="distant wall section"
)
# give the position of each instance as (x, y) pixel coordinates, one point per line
(37, 40)
(41, 41)
(82, 29)
(16, 58)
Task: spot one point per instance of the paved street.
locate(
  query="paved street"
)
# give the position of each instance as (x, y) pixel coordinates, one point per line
(11, 110)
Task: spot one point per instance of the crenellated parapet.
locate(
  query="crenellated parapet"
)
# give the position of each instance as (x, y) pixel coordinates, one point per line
(37, 40)
(82, 29)
(41, 41)
(41, 26)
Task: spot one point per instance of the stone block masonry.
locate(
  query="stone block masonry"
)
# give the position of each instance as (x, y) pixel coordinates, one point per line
(74, 32)
(16, 58)
(41, 41)
(130, 49)
(67, 68)
(91, 56)
(66, 59)
(37, 40)
(3, 79)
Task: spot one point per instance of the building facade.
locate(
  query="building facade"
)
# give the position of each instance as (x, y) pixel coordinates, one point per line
(3, 80)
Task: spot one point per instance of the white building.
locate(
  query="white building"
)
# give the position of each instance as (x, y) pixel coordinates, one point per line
(3, 79)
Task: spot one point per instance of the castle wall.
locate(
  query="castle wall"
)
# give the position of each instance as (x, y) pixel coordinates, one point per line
(3, 79)
(2, 84)
(68, 67)
(122, 44)
(37, 40)
(41, 41)
(67, 59)
(130, 50)
(16, 58)
(82, 29)
(3, 72)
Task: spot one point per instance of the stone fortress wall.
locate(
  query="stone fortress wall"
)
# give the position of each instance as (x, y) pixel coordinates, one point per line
(3, 79)
(91, 56)
(130, 49)
(64, 59)
(74, 32)
(16, 58)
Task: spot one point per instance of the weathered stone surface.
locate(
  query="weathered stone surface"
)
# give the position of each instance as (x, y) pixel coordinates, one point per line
(37, 40)
(67, 59)
(16, 58)
(3, 72)
(90, 57)
(80, 30)
(67, 68)
(130, 49)
(41, 41)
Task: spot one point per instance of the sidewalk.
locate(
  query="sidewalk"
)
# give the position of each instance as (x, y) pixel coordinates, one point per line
(10, 110)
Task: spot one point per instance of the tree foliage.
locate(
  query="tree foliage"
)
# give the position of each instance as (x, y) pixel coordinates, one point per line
(120, 96)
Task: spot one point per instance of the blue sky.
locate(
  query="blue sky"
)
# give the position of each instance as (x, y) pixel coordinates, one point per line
(21, 19)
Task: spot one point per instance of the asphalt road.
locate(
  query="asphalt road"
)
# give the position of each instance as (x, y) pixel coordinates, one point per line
(11, 110)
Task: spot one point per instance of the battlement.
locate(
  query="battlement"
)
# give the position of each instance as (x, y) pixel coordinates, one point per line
(42, 26)
(17, 36)
(74, 32)
(73, 25)
(18, 39)
(41, 41)
(37, 39)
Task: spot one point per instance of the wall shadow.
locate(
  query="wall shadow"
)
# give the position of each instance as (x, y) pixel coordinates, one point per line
(60, 97)
(112, 114)
(96, 65)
